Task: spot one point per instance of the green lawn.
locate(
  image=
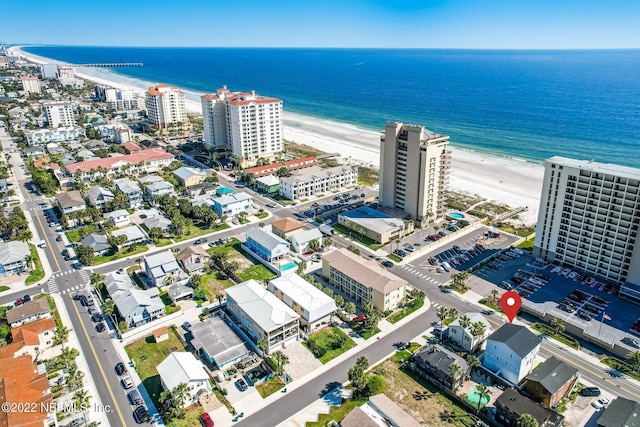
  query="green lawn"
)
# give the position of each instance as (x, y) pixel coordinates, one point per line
(621, 365)
(195, 231)
(526, 245)
(123, 253)
(368, 334)
(213, 285)
(257, 272)
(328, 338)
(162, 242)
(561, 337)
(338, 413)
(147, 354)
(364, 240)
(4, 288)
(73, 235)
(38, 272)
(394, 257)
(270, 386)
(262, 215)
(396, 317)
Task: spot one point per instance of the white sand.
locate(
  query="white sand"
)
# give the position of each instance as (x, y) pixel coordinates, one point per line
(514, 182)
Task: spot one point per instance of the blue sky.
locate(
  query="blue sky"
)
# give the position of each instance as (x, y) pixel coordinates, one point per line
(502, 24)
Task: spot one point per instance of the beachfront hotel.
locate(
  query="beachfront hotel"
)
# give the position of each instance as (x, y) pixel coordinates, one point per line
(165, 106)
(117, 99)
(588, 219)
(414, 171)
(30, 84)
(59, 113)
(247, 124)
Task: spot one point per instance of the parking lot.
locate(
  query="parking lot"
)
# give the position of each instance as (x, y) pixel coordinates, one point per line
(329, 207)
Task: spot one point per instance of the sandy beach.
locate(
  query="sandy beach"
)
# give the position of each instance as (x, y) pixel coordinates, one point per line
(511, 181)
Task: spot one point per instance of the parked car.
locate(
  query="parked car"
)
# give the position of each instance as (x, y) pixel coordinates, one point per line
(135, 398)
(77, 422)
(433, 261)
(141, 414)
(26, 298)
(494, 266)
(601, 403)
(100, 327)
(590, 391)
(120, 369)
(126, 382)
(410, 248)
(97, 317)
(387, 264)
(241, 384)
(441, 233)
(206, 420)
(186, 326)
(433, 237)
(19, 301)
(584, 316)
(59, 239)
(359, 319)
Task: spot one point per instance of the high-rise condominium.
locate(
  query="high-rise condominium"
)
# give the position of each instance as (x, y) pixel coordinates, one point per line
(414, 171)
(165, 105)
(31, 84)
(588, 219)
(59, 113)
(247, 124)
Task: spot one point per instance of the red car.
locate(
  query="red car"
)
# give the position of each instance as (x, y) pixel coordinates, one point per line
(433, 237)
(206, 420)
(360, 319)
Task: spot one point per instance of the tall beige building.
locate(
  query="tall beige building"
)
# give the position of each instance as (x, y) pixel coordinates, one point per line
(248, 124)
(59, 113)
(589, 217)
(165, 105)
(30, 84)
(414, 171)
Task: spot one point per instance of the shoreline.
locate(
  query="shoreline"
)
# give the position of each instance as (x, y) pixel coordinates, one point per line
(516, 182)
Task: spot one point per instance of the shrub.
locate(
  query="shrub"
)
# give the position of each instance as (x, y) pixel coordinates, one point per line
(376, 385)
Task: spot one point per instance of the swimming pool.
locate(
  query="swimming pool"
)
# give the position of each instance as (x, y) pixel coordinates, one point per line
(455, 215)
(289, 266)
(474, 397)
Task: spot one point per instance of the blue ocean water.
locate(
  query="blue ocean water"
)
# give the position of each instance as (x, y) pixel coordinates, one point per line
(523, 104)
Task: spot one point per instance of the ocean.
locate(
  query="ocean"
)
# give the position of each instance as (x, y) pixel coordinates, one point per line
(528, 105)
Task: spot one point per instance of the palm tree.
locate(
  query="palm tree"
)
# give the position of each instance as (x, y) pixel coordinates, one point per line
(478, 329)
(558, 325)
(527, 420)
(281, 360)
(68, 355)
(634, 358)
(60, 335)
(219, 297)
(473, 361)
(442, 314)
(494, 296)
(81, 401)
(454, 372)
(483, 393)
(180, 393)
(263, 345)
(453, 313)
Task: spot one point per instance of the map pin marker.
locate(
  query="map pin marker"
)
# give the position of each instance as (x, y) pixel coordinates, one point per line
(510, 303)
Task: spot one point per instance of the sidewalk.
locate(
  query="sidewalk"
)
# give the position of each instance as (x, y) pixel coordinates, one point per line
(311, 412)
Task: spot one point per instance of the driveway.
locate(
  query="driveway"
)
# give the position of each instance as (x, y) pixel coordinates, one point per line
(301, 361)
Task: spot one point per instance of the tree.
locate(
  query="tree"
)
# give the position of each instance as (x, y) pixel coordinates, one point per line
(473, 361)
(478, 329)
(219, 297)
(302, 266)
(339, 300)
(465, 322)
(263, 345)
(155, 233)
(85, 254)
(60, 335)
(68, 356)
(281, 360)
(454, 373)
(283, 172)
(442, 313)
(314, 245)
(494, 296)
(634, 358)
(350, 308)
(558, 325)
(453, 313)
(81, 400)
(179, 394)
(96, 278)
(354, 249)
(483, 394)
(527, 420)
(358, 375)
(376, 385)
(196, 280)
(108, 307)
(327, 241)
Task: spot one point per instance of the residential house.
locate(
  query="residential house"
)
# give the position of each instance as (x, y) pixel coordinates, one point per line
(98, 197)
(312, 305)
(202, 189)
(129, 147)
(620, 413)
(268, 184)
(261, 314)
(377, 226)
(379, 409)
(188, 177)
(61, 134)
(23, 384)
(551, 382)
(510, 405)
(132, 233)
(28, 312)
(119, 218)
(34, 152)
(14, 257)
(300, 242)
(434, 363)
(35, 336)
(193, 258)
(159, 221)
(179, 292)
(86, 155)
(230, 205)
(183, 368)
(363, 279)
(463, 338)
(266, 245)
(132, 190)
(315, 180)
(150, 179)
(163, 269)
(98, 242)
(286, 227)
(136, 306)
(145, 161)
(358, 418)
(158, 189)
(214, 340)
(70, 201)
(511, 352)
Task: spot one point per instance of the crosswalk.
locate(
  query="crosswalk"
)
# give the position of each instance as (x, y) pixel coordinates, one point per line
(411, 269)
(52, 283)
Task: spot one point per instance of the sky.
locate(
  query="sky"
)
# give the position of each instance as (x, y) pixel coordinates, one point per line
(475, 24)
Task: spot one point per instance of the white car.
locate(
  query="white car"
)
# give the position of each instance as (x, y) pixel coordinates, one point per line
(601, 403)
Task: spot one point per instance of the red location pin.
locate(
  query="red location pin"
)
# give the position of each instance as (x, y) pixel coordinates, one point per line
(510, 303)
